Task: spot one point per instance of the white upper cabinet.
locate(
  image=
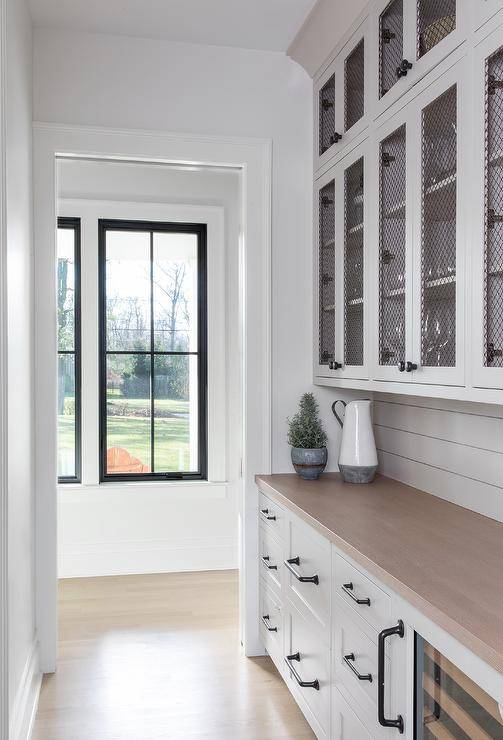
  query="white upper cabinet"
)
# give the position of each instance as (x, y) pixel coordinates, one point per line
(410, 293)
(487, 208)
(342, 99)
(410, 39)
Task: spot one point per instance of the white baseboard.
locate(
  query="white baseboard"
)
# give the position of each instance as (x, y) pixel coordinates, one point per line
(151, 556)
(26, 701)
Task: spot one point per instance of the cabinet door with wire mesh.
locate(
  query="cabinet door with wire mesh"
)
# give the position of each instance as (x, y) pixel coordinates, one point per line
(328, 114)
(327, 363)
(355, 64)
(351, 231)
(392, 258)
(488, 236)
(438, 268)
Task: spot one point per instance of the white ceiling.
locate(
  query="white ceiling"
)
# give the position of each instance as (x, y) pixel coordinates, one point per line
(250, 24)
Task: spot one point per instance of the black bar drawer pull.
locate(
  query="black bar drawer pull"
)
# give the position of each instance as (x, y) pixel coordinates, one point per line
(348, 589)
(265, 622)
(265, 560)
(265, 514)
(349, 661)
(305, 684)
(303, 579)
(398, 722)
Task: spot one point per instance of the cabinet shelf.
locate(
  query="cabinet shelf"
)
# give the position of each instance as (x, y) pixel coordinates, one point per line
(328, 245)
(355, 302)
(356, 229)
(329, 308)
(441, 281)
(396, 211)
(394, 293)
(441, 185)
(496, 158)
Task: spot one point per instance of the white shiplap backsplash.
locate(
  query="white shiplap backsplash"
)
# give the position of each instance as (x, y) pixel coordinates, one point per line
(450, 449)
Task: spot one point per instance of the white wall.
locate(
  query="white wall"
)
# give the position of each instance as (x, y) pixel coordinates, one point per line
(22, 647)
(115, 528)
(137, 83)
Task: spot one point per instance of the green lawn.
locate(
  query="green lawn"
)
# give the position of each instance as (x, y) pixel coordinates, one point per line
(133, 434)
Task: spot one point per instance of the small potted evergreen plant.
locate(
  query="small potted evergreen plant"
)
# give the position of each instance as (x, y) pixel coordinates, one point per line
(308, 439)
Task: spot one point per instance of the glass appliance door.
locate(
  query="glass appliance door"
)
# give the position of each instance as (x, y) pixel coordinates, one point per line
(448, 704)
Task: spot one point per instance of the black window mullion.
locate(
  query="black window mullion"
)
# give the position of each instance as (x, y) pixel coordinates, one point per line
(152, 445)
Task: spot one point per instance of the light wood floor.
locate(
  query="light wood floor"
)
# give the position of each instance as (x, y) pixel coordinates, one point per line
(157, 656)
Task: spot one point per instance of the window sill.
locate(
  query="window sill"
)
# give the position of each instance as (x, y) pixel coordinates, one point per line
(72, 492)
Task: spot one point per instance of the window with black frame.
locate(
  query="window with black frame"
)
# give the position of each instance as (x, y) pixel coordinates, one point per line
(153, 350)
(68, 286)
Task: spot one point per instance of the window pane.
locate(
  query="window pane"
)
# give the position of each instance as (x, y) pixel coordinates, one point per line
(128, 290)
(175, 292)
(66, 416)
(66, 289)
(128, 414)
(176, 413)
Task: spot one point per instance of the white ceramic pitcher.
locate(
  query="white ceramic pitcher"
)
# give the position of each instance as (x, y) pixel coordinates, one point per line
(358, 455)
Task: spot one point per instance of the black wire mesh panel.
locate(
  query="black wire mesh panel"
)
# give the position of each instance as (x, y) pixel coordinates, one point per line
(494, 212)
(392, 194)
(327, 115)
(438, 232)
(354, 76)
(436, 19)
(326, 288)
(390, 45)
(353, 264)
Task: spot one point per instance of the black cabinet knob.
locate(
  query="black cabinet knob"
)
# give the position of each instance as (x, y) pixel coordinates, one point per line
(334, 365)
(411, 366)
(335, 138)
(401, 366)
(403, 68)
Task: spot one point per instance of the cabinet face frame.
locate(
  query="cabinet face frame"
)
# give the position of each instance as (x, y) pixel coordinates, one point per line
(482, 376)
(319, 369)
(455, 76)
(485, 11)
(351, 371)
(403, 118)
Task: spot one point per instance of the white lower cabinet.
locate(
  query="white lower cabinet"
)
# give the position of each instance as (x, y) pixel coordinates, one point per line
(359, 660)
(345, 723)
(308, 670)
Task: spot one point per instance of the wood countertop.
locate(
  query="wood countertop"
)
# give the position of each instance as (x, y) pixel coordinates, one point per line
(445, 560)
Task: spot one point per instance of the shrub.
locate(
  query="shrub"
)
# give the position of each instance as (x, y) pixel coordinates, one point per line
(305, 430)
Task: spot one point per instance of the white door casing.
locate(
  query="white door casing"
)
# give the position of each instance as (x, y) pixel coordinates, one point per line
(253, 157)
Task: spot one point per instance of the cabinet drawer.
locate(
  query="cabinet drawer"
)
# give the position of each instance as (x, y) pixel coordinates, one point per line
(270, 557)
(345, 723)
(308, 570)
(271, 624)
(272, 516)
(311, 663)
(362, 594)
(355, 660)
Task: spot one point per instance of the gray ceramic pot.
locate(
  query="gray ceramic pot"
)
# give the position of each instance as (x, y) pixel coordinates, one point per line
(309, 464)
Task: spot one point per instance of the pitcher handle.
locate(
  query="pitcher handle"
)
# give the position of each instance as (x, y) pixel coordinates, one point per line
(335, 412)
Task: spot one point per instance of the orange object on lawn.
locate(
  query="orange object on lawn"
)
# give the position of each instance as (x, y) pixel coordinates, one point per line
(120, 460)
